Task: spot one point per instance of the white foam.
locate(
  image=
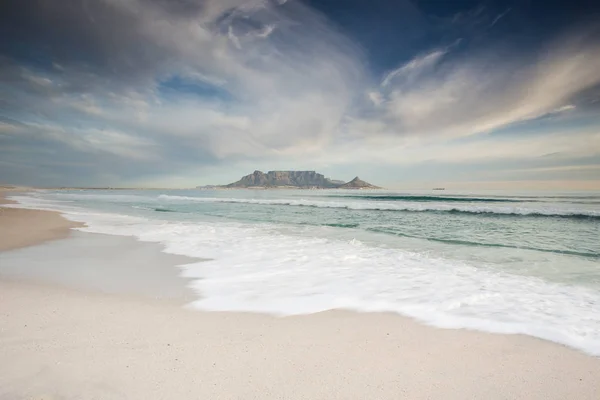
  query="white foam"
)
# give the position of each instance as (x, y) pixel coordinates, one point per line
(259, 268)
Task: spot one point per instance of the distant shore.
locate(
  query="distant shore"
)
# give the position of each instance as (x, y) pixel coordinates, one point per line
(73, 341)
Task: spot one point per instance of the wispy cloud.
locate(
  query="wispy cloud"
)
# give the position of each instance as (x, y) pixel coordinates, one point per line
(194, 83)
(88, 140)
(418, 66)
(500, 16)
(481, 93)
(414, 67)
(266, 31)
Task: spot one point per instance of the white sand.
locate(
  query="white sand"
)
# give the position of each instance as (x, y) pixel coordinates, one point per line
(93, 334)
(57, 343)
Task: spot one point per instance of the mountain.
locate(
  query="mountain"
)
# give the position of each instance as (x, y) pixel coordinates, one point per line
(296, 179)
(358, 183)
(302, 179)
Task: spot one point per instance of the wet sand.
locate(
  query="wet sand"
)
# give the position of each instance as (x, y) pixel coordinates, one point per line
(20, 227)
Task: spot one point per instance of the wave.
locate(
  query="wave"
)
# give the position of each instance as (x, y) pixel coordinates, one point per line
(157, 209)
(340, 225)
(397, 207)
(580, 215)
(479, 244)
(431, 198)
(572, 197)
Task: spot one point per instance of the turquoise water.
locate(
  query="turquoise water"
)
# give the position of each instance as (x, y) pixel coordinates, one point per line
(503, 262)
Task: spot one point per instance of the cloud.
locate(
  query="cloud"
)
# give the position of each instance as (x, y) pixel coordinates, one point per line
(86, 139)
(563, 168)
(412, 69)
(375, 97)
(555, 141)
(266, 31)
(284, 76)
(500, 16)
(178, 85)
(234, 39)
(568, 107)
(474, 94)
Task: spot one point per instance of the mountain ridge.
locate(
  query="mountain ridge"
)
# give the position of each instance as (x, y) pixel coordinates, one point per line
(296, 179)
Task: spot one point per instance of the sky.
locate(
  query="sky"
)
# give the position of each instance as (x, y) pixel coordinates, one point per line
(403, 93)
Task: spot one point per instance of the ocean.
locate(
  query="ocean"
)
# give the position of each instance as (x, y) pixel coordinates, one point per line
(502, 262)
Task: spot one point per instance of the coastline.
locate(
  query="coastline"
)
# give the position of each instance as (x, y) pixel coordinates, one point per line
(22, 227)
(69, 341)
(64, 343)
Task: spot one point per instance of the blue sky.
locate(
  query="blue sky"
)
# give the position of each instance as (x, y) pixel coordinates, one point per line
(180, 93)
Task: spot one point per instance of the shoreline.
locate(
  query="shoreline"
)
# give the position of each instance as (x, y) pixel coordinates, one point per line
(93, 262)
(16, 224)
(69, 341)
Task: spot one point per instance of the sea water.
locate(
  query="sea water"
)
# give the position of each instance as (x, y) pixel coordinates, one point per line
(502, 262)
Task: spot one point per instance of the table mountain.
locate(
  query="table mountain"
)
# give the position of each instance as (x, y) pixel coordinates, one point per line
(299, 179)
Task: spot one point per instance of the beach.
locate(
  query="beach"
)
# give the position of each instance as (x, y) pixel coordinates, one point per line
(19, 228)
(82, 320)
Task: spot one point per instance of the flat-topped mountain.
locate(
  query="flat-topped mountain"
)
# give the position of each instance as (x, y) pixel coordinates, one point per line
(296, 179)
(302, 179)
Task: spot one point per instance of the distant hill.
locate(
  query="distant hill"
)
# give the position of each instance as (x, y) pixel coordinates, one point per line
(296, 179)
(358, 183)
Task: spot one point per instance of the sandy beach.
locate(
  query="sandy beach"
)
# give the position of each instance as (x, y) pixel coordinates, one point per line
(77, 323)
(20, 227)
